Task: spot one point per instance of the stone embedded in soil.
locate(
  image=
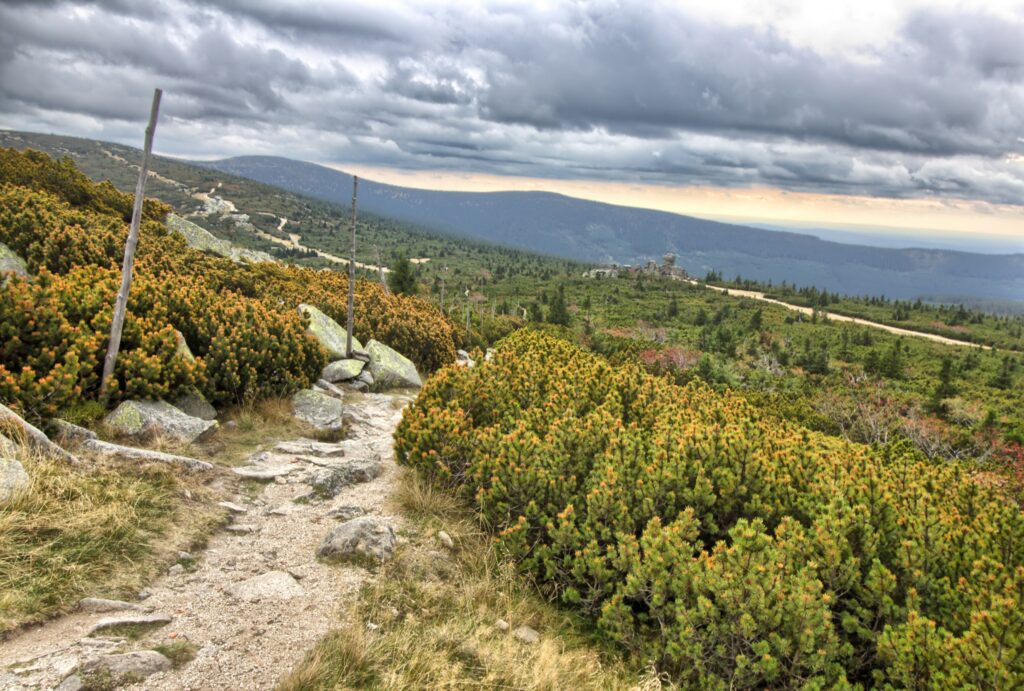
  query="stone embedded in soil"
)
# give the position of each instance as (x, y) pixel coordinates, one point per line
(273, 585)
(232, 507)
(131, 620)
(366, 537)
(346, 513)
(128, 666)
(327, 482)
(526, 635)
(310, 447)
(98, 604)
(256, 472)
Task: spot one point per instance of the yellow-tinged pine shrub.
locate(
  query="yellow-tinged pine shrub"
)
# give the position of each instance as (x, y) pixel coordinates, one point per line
(240, 321)
(739, 552)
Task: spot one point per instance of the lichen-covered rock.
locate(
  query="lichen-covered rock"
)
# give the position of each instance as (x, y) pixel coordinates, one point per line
(366, 537)
(318, 409)
(343, 370)
(328, 481)
(391, 369)
(157, 418)
(198, 237)
(13, 479)
(193, 403)
(331, 335)
(11, 262)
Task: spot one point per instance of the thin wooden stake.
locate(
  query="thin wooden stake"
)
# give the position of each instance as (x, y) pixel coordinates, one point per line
(380, 270)
(121, 304)
(352, 272)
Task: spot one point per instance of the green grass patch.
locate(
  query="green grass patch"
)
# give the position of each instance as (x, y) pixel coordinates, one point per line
(97, 529)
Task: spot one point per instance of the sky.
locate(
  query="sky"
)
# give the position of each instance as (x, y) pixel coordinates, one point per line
(854, 114)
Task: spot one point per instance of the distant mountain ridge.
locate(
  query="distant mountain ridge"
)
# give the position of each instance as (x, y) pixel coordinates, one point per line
(605, 233)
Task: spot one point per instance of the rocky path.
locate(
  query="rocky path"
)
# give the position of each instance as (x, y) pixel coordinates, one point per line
(257, 598)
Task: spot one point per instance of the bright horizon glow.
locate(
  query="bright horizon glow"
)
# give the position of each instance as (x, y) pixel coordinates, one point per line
(738, 205)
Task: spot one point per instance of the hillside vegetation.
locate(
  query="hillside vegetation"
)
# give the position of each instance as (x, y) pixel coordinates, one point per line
(239, 321)
(734, 550)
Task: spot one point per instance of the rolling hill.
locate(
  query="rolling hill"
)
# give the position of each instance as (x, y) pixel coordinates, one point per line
(604, 233)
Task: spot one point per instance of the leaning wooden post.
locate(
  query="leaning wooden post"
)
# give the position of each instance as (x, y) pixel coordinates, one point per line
(352, 272)
(129, 254)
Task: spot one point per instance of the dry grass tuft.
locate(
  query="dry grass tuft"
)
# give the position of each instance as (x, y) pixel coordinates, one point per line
(254, 424)
(436, 613)
(97, 529)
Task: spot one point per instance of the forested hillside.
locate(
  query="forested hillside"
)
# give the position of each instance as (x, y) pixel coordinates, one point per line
(605, 233)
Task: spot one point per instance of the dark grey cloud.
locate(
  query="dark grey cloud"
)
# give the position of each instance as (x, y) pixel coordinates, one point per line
(635, 92)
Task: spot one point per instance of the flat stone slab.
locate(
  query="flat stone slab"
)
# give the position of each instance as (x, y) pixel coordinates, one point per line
(273, 585)
(310, 447)
(99, 604)
(134, 666)
(264, 472)
(117, 451)
(130, 620)
(232, 507)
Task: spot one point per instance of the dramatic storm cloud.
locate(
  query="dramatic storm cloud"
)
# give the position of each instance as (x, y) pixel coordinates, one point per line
(918, 101)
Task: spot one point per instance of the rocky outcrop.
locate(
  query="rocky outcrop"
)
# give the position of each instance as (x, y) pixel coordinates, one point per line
(366, 538)
(318, 409)
(13, 479)
(10, 262)
(391, 369)
(329, 333)
(343, 370)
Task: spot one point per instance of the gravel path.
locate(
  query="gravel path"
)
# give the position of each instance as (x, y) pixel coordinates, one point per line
(255, 600)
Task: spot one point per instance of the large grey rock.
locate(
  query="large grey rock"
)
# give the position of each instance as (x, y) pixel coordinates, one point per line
(391, 369)
(128, 667)
(331, 335)
(195, 404)
(365, 377)
(318, 409)
(8, 449)
(273, 585)
(13, 479)
(330, 480)
(366, 537)
(342, 370)
(143, 419)
(10, 262)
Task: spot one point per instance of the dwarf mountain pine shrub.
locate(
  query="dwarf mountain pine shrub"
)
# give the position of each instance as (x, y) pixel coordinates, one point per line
(735, 550)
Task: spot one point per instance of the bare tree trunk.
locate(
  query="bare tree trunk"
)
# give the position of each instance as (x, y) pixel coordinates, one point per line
(352, 273)
(129, 254)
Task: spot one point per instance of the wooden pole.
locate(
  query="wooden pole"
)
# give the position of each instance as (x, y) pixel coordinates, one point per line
(380, 270)
(352, 272)
(121, 304)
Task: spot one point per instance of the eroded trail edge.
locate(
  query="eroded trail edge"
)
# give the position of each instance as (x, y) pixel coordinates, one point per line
(256, 599)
